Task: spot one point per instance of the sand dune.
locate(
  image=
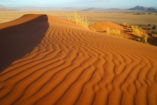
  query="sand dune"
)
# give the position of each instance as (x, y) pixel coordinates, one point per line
(101, 26)
(19, 37)
(69, 65)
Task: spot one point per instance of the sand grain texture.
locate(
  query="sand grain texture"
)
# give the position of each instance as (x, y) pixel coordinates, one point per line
(73, 66)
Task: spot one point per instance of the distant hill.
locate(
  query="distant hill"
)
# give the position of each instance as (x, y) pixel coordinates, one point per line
(142, 8)
(139, 8)
(92, 8)
(31, 8)
(34, 8)
(3, 8)
(100, 9)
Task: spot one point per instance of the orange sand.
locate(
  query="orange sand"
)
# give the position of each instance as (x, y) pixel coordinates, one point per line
(73, 66)
(102, 26)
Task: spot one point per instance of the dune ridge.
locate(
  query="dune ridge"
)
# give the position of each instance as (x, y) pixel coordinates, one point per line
(75, 66)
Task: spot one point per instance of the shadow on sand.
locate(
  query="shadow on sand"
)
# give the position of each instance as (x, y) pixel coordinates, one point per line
(17, 41)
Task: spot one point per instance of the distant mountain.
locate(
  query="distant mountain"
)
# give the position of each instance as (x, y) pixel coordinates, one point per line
(139, 8)
(142, 8)
(3, 8)
(34, 8)
(100, 9)
(30, 8)
(92, 8)
(114, 9)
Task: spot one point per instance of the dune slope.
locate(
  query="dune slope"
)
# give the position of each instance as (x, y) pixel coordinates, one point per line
(75, 66)
(102, 26)
(19, 37)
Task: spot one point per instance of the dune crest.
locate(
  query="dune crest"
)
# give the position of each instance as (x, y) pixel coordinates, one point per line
(75, 66)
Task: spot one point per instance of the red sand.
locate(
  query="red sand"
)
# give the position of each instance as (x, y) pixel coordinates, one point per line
(102, 26)
(75, 66)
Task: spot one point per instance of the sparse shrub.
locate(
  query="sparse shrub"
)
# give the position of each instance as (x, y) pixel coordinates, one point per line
(145, 39)
(137, 31)
(149, 25)
(79, 20)
(112, 32)
(154, 27)
(126, 25)
(138, 39)
(140, 34)
(154, 35)
(137, 13)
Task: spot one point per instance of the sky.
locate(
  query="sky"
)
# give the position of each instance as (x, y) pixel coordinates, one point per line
(79, 3)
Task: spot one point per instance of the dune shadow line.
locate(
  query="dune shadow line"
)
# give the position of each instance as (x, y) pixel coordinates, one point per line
(17, 41)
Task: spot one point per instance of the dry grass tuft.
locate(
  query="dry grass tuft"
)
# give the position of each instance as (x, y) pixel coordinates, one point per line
(141, 35)
(79, 20)
(126, 25)
(113, 32)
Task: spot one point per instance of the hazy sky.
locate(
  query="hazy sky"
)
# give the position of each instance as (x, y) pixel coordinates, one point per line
(79, 3)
